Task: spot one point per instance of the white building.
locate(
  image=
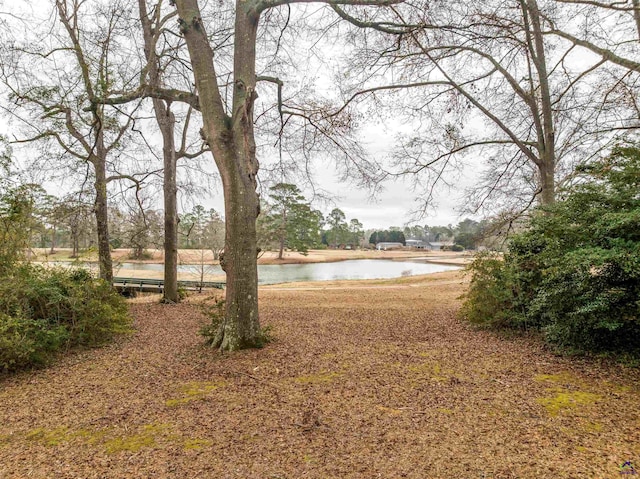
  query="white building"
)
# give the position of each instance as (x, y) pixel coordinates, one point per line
(388, 245)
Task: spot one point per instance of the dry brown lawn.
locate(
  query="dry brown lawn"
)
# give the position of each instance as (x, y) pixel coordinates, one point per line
(363, 380)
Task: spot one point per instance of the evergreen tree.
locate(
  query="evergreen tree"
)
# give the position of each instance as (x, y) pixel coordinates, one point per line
(290, 221)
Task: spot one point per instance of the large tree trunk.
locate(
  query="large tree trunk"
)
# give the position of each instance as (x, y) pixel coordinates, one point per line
(547, 183)
(170, 206)
(102, 215)
(241, 325)
(231, 139)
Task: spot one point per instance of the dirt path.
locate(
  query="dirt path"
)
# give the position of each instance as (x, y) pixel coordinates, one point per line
(359, 382)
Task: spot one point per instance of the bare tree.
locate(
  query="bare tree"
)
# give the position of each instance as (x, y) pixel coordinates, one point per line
(229, 131)
(157, 62)
(76, 211)
(610, 30)
(485, 80)
(50, 89)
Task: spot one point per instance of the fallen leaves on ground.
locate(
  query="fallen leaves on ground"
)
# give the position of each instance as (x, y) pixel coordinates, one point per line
(362, 380)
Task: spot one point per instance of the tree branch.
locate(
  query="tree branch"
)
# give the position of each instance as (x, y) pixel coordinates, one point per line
(147, 91)
(603, 52)
(266, 4)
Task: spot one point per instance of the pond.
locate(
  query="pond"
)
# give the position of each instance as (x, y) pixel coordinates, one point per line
(291, 273)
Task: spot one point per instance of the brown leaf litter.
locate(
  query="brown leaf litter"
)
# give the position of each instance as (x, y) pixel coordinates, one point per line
(362, 380)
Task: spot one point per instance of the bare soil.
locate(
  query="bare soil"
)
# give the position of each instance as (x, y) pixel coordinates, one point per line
(362, 380)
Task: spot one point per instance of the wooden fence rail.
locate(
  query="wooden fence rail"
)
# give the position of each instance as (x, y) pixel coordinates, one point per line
(146, 285)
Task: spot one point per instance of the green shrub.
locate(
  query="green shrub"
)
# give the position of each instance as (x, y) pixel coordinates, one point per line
(25, 342)
(457, 248)
(45, 310)
(16, 220)
(574, 274)
(490, 297)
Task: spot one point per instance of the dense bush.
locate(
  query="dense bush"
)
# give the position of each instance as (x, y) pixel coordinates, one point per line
(574, 274)
(16, 213)
(45, 310)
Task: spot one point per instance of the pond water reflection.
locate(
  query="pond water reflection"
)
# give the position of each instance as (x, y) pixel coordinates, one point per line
(351, 269)
(291, 273)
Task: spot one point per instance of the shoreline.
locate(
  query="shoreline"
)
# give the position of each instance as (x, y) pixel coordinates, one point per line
(315, 257)
(199, 257)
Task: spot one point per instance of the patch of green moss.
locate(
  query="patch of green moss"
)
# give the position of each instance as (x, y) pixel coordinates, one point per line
(427, 354)
(159, 428)
(195, 444)
(309, 459)
(623, 389)
(49, 437)
(390, 410)
(444, 410)
(130, 443)
(564, 400)
(593, 427)
(323, 377)
(194, 391)
(4, 439)
(253, 437)
(146, 437)
(90, 436)
(564, 377)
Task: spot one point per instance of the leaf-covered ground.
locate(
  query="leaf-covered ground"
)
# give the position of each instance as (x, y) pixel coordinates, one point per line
(362, 380)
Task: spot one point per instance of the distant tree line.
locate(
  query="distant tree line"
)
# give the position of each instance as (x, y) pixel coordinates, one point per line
(468, 234)
(387, 236)
(69, 222)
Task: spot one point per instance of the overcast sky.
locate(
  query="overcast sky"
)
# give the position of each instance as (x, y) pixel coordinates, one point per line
(393, 206)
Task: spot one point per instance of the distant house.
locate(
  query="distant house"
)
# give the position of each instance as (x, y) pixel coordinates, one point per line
(439, 245)
(417, 244)
(388, 245)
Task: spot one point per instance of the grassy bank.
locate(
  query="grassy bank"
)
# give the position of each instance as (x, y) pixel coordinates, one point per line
(365, 379)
